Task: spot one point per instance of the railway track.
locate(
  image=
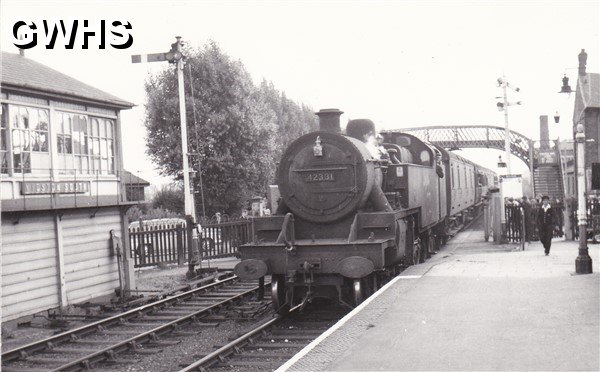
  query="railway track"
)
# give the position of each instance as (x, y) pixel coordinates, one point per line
(272, 343)
(136, 331)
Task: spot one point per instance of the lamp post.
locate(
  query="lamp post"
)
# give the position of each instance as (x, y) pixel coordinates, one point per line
(583, 262)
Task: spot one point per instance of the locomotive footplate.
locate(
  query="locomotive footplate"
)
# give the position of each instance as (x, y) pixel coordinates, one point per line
(319, 258)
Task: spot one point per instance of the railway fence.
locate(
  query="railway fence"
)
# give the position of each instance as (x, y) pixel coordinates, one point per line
(593, 219)
(160, 242)
(522, 221)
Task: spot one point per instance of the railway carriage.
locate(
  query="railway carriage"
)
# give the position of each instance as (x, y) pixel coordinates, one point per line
(347, 220)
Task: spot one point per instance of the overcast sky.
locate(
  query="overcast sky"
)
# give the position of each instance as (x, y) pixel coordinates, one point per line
(400, 63)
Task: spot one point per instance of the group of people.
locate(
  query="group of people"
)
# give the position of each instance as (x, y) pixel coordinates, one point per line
(538, 212)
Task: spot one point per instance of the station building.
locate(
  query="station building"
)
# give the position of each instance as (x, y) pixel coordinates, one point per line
(62, 190)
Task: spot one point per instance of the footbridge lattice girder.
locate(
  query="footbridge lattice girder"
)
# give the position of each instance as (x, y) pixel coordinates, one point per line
(475, 136)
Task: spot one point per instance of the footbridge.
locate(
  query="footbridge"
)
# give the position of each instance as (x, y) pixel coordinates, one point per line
(476, 136)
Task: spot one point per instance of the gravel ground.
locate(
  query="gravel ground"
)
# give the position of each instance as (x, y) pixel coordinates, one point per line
(192, 348)
(148, 281)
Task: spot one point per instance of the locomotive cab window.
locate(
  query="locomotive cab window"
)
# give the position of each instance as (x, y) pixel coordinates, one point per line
(425, 157)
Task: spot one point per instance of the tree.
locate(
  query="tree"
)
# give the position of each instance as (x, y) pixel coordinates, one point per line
(232, 131)
(169, 198)
(292, 120)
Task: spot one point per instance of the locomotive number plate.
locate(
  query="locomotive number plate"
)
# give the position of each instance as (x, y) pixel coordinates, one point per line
(319, 177)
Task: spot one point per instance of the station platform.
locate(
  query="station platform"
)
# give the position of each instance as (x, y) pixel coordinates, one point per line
(473, 306)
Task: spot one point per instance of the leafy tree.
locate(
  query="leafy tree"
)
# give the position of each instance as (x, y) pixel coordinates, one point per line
(292, 120)
(169, 198)
(236, 131)
(231, 131)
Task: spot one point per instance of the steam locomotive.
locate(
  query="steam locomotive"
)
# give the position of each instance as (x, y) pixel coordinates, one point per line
(347, 219)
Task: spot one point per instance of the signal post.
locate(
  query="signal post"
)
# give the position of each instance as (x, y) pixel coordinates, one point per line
(175, 56)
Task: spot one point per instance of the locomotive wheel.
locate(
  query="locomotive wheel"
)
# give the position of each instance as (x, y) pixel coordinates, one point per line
(278, 295)
(357, 292)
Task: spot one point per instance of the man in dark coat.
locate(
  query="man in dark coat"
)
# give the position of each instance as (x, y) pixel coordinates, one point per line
(546, 221)
(527, 214)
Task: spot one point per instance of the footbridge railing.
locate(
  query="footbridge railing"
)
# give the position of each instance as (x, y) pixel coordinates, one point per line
(476, 136)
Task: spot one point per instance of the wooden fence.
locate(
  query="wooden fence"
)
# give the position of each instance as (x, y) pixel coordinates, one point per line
(222, 239)
(152, 244)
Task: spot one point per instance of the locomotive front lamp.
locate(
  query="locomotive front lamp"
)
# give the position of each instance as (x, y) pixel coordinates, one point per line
(556, 117)
(317, 148)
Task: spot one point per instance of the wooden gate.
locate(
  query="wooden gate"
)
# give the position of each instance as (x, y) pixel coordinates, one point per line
(521, 222)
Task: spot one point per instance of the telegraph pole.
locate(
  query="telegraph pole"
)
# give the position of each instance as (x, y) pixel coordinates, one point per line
(503, 106)
(175, 56)
(506, 130)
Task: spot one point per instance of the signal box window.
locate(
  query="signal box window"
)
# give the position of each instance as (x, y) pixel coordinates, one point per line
(29, 139)
(3, 139)
(86, 145)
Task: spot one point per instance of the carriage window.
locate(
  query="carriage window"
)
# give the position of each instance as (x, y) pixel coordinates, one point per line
(452, 174)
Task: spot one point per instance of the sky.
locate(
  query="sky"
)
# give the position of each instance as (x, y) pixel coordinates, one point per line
(400, 63)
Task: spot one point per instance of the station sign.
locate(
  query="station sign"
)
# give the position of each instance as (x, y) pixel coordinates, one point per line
(59, 187)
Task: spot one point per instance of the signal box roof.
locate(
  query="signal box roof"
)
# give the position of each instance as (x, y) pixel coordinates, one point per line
(25, 74)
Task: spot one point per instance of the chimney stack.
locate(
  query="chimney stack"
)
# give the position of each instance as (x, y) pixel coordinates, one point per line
(582, 62)
(329, 120)
(544, 133)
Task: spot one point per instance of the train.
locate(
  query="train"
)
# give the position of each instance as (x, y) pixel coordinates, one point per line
(348, 219)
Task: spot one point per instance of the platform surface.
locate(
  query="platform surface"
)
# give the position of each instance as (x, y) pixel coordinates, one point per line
(473, 306)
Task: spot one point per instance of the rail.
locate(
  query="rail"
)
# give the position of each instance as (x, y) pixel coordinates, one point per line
(93, 327)
(233, 346)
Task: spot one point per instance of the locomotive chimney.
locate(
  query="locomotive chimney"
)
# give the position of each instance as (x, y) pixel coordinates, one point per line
(329, 120)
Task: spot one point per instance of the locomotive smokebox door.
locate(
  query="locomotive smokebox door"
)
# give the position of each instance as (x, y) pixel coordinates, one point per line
(324, 177)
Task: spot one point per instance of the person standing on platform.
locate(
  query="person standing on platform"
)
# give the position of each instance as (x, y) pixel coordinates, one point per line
(546, 223)
(527, 215)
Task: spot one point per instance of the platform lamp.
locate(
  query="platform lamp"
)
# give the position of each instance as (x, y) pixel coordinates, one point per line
(583, 262)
